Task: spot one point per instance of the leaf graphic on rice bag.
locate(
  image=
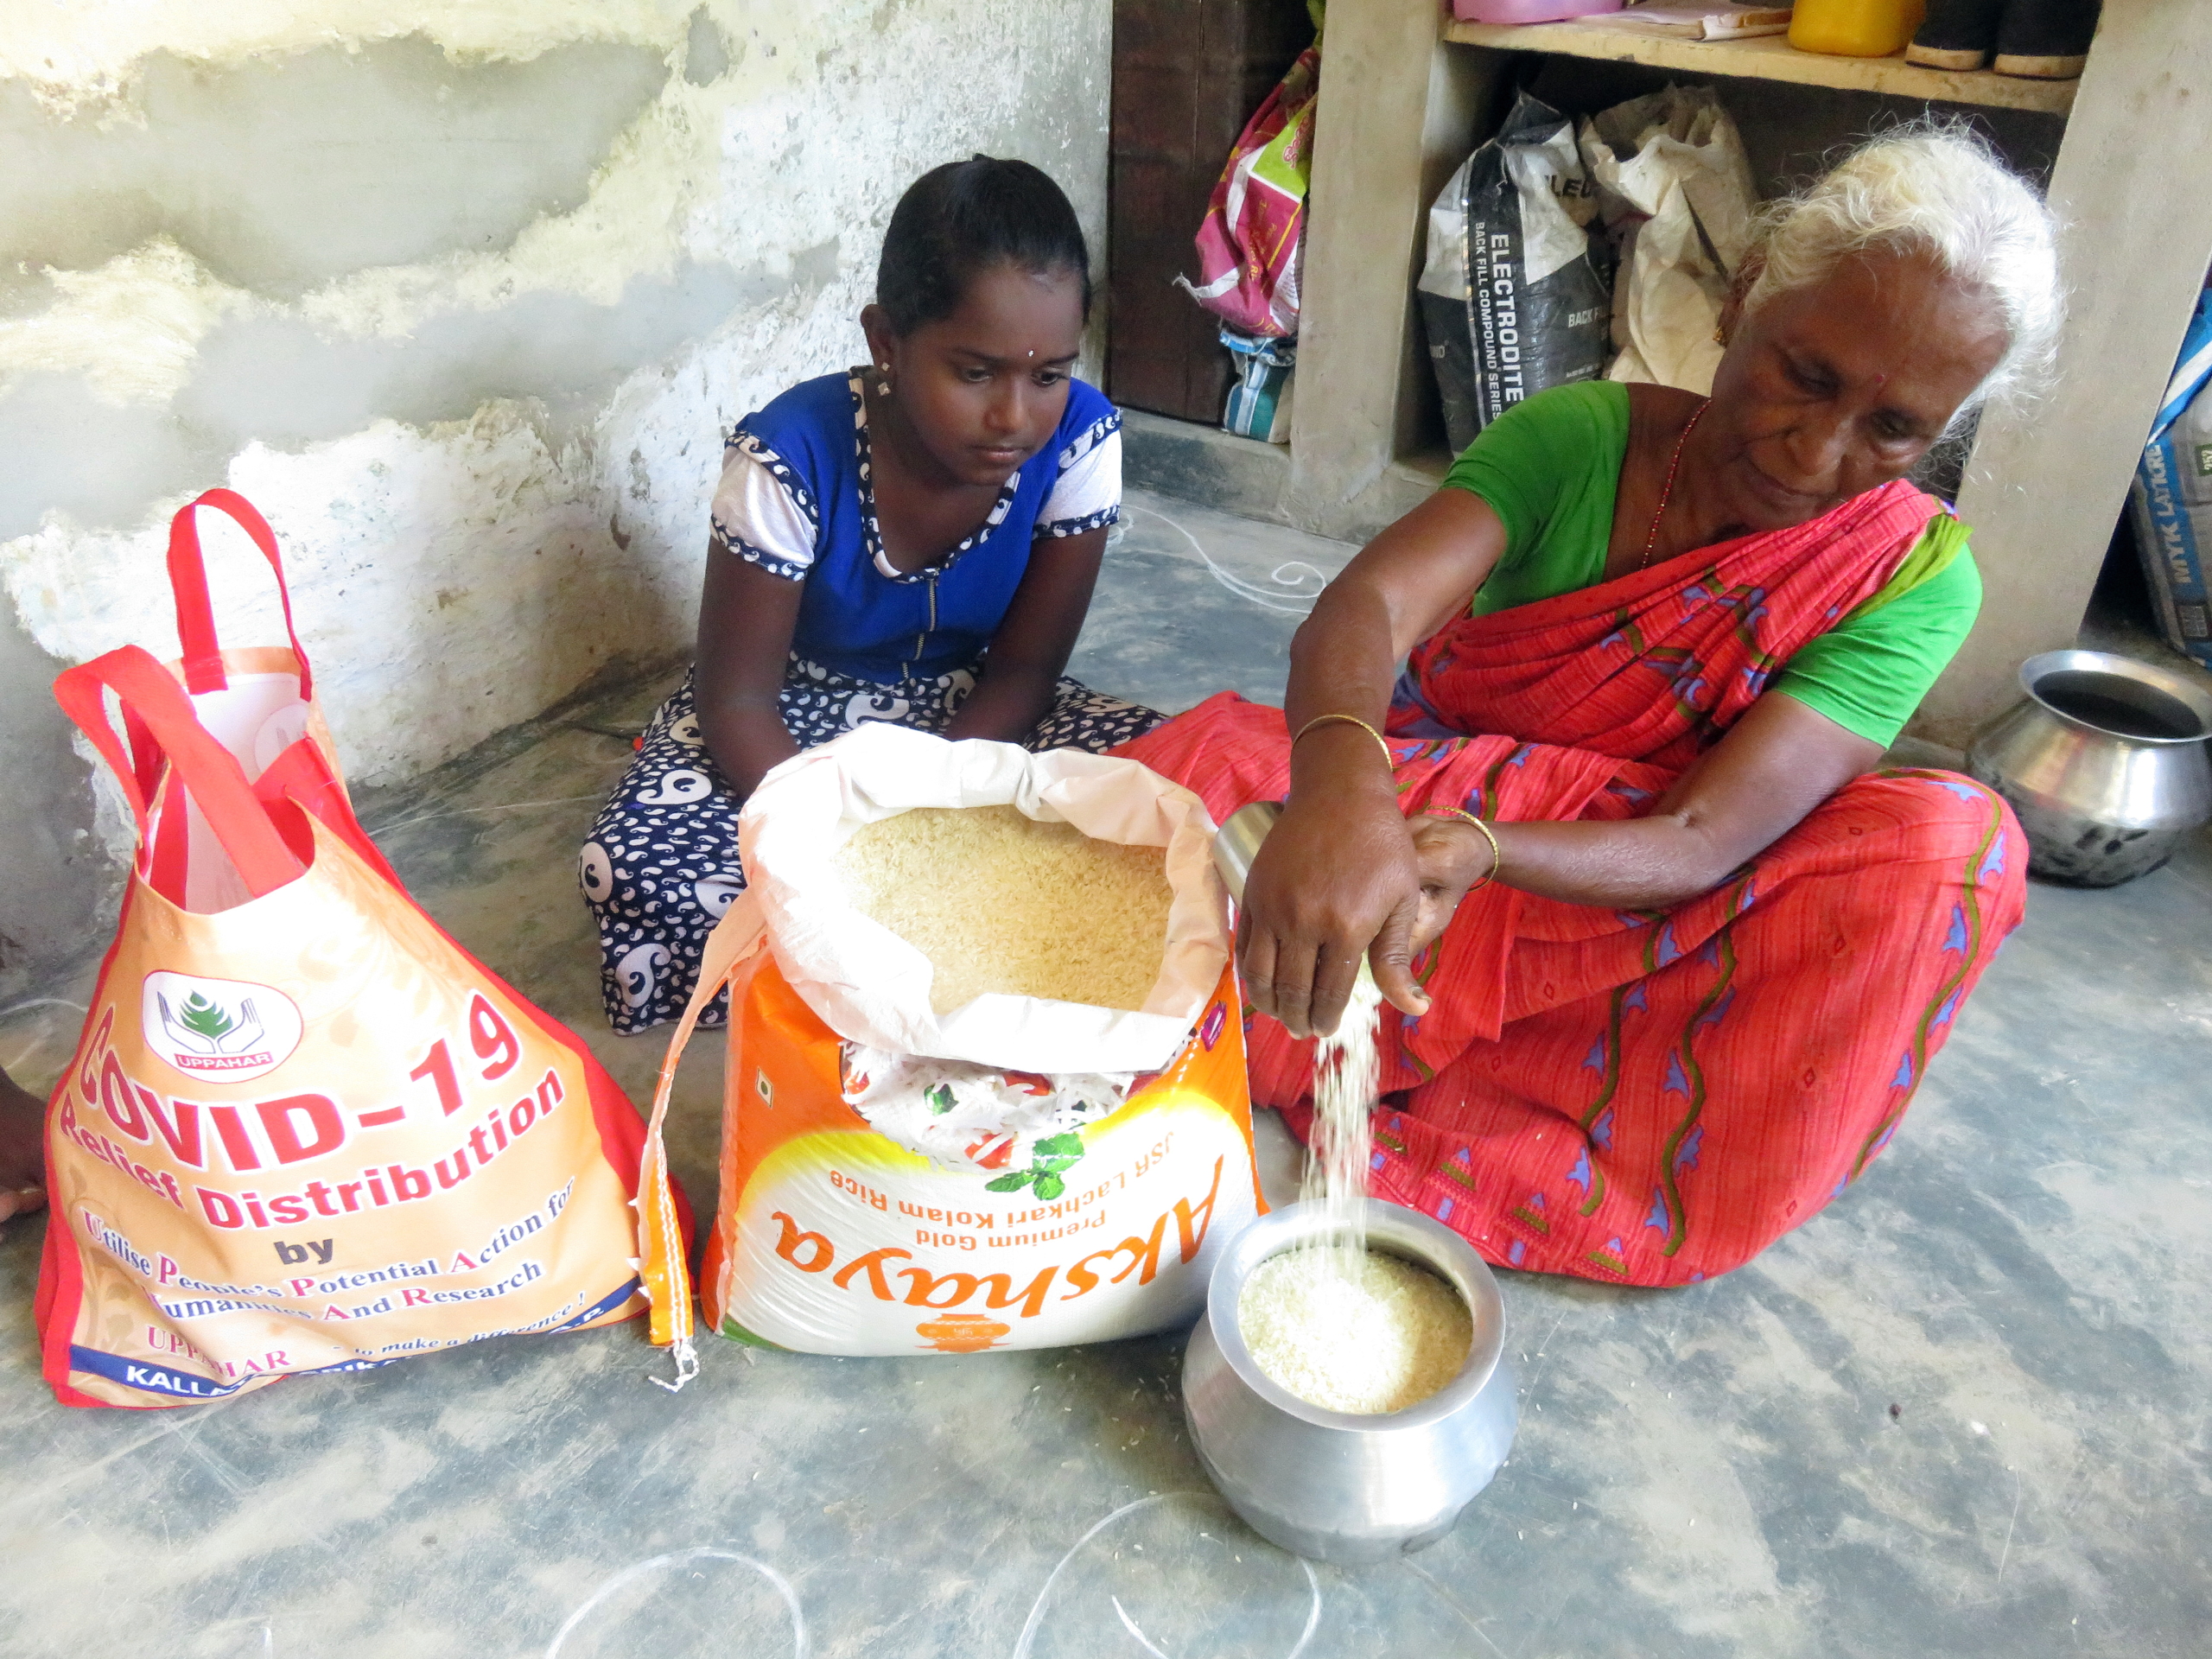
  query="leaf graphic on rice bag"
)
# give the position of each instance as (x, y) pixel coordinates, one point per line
(962, 1116)
(1065, 1148)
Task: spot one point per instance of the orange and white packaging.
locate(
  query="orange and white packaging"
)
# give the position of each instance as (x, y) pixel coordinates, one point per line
(1016, 1173)
(303, 1129)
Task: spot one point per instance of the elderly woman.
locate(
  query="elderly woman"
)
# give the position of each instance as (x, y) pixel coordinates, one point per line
(1657, 643)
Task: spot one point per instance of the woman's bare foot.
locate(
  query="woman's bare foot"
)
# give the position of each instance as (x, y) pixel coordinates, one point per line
(22, 1150)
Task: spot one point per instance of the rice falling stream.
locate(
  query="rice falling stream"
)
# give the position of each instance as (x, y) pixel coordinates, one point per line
(1338, 1326)
(1346, 1070)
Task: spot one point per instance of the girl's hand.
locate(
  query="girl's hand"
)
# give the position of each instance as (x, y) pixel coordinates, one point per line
(1334, 879)
(1030, 651)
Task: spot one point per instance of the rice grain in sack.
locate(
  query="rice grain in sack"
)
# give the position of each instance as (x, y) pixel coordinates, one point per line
(303, 1130)
(1006, 1171)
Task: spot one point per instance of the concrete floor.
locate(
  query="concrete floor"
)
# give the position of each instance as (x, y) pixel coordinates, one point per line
(1963, 1412)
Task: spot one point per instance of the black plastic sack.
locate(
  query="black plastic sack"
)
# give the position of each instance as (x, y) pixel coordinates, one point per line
(1515, 295)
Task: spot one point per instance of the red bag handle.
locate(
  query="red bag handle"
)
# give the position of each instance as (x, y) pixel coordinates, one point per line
(195, 614)
(154, 703)
(300, 776)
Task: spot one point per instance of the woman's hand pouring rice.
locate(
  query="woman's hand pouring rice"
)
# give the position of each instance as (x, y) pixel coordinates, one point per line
(1401, 883)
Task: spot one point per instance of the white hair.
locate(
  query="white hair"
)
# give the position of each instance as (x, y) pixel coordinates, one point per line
(1935, 188)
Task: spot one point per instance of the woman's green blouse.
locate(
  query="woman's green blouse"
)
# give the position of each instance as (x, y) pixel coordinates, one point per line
(1550, 466)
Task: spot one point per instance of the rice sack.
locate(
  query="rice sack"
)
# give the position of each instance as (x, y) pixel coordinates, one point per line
(985, 1084)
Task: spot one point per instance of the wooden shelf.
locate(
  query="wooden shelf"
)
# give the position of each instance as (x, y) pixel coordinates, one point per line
(1771, 57)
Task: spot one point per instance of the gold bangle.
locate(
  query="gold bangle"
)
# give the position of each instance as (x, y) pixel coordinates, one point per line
(1497, 852)
(1380, 743)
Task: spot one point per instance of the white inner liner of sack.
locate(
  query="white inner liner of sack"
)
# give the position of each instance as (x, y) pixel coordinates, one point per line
(257, 717)
(872, 987)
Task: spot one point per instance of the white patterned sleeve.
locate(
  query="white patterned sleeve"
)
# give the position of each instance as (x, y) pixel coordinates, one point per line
(762, 512)
(1088, 495)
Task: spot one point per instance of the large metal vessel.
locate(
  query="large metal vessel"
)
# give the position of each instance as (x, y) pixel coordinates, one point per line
(2104, 761)
(1333, 1485)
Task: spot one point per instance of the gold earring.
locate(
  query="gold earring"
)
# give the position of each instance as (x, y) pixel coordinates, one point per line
(1719, 338)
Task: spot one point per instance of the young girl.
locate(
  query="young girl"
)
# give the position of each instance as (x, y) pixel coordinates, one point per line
(913, 541)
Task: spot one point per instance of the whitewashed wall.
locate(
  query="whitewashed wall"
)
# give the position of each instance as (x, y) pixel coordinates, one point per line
(462, 295)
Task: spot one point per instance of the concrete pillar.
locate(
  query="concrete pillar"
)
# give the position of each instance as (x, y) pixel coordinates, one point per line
(1362, 237)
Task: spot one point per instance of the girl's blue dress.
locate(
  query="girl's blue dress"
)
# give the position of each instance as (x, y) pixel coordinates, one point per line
(871, 643)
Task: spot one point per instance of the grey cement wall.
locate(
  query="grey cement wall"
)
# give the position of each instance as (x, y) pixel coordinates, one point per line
(463, 298)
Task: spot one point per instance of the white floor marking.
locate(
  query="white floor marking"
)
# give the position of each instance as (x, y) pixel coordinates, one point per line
(1292, 574)
(373, 831)
(1022, 1646)
(1312, 1613)
(2008, 1525)
(1449, 1602)
(1130, 1625)
(15, 1008)
(703, 1553)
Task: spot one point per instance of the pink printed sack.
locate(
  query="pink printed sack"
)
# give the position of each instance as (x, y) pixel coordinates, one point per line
(1251, 244)
(303, 1129)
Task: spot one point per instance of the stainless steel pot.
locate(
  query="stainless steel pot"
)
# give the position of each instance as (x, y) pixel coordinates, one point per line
(1330, 1485)
(2104, 761)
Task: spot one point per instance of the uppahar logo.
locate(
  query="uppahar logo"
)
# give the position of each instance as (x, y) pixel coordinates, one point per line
(222, 1030)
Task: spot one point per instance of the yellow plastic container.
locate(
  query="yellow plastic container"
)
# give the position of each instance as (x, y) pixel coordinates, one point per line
(1855, 29)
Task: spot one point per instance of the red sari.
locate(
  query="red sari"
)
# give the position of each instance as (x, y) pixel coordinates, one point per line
(1651, 1097)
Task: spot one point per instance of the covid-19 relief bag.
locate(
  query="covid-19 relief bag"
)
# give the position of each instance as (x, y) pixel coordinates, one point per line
(303, 1129)
(1016, 1172)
